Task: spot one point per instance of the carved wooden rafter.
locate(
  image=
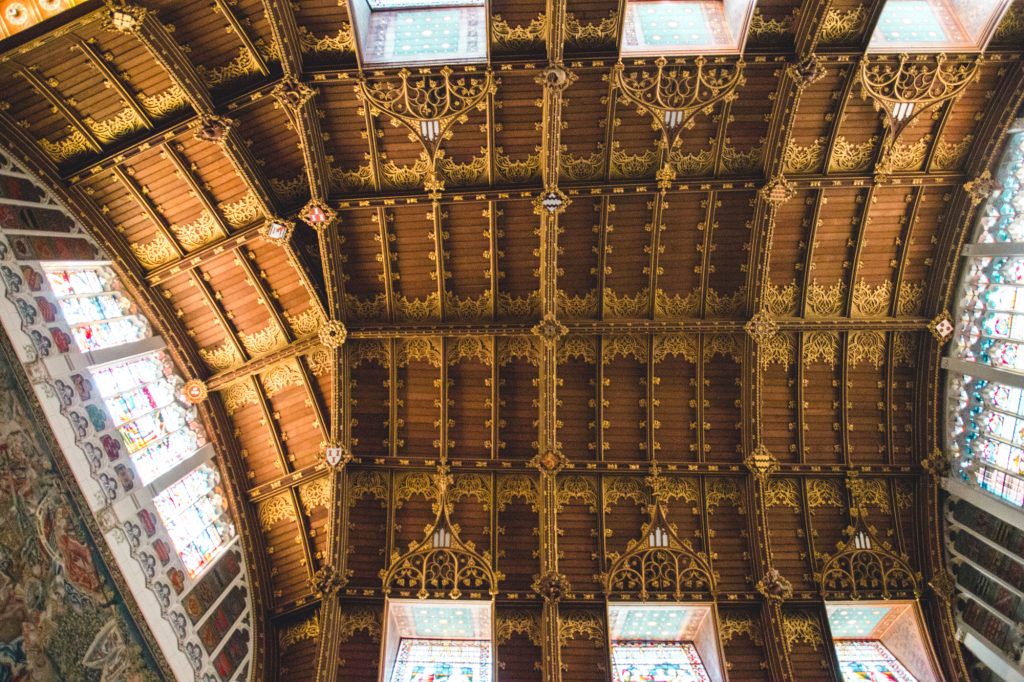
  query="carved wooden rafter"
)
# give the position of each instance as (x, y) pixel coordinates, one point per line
(866, 566)
(59, 104)
(150, 210)
(112, 80)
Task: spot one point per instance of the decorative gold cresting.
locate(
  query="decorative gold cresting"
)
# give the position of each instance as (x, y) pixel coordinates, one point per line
(659, 564)
(865, 566)
(673, 94)
(912, 87)
(429, 106)
(441, 564)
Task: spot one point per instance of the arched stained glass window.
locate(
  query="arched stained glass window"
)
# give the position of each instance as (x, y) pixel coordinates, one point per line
(100, 315)
(142, 394)
(868, 659)
(986, 387)
(195, 514)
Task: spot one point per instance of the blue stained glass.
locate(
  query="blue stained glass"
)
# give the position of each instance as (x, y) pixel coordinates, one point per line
(159, 457)
(194, 512)
(911, 21)
(657, 662)
(442, 660)
(869, 660)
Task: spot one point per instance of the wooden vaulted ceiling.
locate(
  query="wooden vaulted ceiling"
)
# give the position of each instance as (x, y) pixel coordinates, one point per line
(650, 281)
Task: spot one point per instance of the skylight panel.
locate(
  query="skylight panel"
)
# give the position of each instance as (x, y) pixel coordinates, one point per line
(881, 640)
(417, 32)
(438, 640)
(680, 27)
(936, 25)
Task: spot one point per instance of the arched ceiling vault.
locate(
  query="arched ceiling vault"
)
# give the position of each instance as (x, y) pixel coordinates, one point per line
(751, 304)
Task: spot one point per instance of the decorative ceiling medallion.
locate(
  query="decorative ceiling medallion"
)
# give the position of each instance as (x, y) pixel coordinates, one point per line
(195, 391)
(333, 334)
(942, 328)
(551, 586)
(761, 463)
(213, 128)
(291, 94)
(777, 191)
(123, 17)
(981, 188)
(277, 230)
(317, 214)
(774, 586)
(762, 327)
(550, 462)
(335, 454)
(554, 202)
(807, 71)
(549, 329)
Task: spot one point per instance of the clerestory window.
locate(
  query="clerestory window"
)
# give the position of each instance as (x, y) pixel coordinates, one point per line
(438, 640)
(663, 643)
(415, 32)
(99, 314)
(685, 27)
(986, 363)
(883, 640)
(936, 25)
(195, 513)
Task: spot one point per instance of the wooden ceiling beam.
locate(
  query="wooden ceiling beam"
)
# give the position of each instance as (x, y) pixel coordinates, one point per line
(58, 103)
(204, 254)
(236, 27)
(149, 209)
(387, 260)
(210, 298)
(111, 79)
(286, 34)
(195, 189)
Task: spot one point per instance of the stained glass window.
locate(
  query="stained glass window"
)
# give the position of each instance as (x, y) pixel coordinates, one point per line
(934, 24)
(422, 31)
(987, 422)
(195, 514)
(100, 315)
(684, 26)
(442, 660)
(142, 395)
(868, 659)
(657, 662)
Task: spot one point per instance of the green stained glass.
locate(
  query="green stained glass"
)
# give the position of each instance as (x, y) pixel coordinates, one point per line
(911, 21)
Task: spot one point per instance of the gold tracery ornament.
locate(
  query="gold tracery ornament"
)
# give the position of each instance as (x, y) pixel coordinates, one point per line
(660, 565)
(673, 94)
(913, 86)
(428, 105)
(441, 564)
(866, 566)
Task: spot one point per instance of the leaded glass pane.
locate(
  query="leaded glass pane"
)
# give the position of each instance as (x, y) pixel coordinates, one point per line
(439, 660)
(99, 314)
(863, 659)
(1002, 217)
(657, 662)
(438, 34)
(195, 514)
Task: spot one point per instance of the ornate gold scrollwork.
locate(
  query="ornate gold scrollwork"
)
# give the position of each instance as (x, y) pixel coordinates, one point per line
(441, 564)
(866, 566)
(428, 106)
(673, 94)
(659, 564)
(912, 87)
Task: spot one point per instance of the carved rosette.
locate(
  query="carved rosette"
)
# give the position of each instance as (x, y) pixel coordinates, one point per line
(333, 334)
(773, 586)
(551, 586)
(944, 586)
(210, 128)
(981, 188)
(556, 77)
(942, 327)
(936, 463)
(290, 94)
(807, 71)
(550, 463)
(762, 327)
(194, 391)
(549, 329)
(327, 581)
